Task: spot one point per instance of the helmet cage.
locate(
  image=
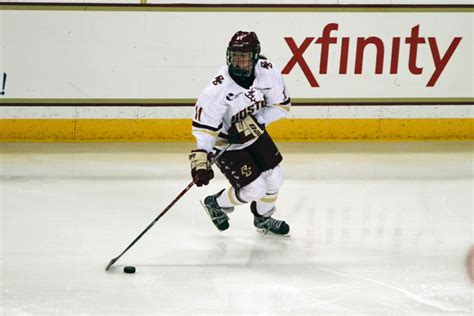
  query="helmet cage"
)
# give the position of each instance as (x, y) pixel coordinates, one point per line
(232, 62)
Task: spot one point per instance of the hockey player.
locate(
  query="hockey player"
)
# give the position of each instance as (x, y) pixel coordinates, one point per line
(243, 98)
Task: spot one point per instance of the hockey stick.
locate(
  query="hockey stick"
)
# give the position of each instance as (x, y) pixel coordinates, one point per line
(189, 186)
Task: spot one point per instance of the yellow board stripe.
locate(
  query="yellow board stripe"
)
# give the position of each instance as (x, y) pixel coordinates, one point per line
(179, 130)
(372, 129)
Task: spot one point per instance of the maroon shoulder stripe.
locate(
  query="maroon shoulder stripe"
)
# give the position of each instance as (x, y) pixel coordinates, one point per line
(214, 129)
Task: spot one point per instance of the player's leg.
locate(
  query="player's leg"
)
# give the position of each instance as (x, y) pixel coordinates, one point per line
(273, 182)
(263, 193)
(239, 168)
(243, 169)
(267, 157)
(250, 192)
(217, 213)
(264, 208)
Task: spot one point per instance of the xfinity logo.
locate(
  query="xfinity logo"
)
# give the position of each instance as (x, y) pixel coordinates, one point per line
(327, 44)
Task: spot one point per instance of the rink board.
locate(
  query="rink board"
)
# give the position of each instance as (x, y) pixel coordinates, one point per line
(64, 58)
(173, 123)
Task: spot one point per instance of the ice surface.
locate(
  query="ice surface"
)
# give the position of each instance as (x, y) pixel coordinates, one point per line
(376, 228)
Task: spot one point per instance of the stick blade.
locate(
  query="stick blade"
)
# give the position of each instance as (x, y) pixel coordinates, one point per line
(110, 264)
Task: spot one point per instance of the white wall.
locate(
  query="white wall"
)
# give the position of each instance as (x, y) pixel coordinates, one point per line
(172, 55)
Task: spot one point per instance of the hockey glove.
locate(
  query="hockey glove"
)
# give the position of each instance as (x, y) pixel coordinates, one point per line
(242, 131)
(201, 171)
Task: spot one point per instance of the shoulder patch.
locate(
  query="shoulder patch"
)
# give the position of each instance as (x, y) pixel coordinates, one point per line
(218, 80)
(265, 64)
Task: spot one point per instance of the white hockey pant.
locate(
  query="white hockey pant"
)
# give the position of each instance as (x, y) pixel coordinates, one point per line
(263, 190)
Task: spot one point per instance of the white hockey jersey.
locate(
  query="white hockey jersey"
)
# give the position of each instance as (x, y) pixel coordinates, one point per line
(224, 102)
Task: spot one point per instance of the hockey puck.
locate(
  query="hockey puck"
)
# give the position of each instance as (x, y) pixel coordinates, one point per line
(129, 269)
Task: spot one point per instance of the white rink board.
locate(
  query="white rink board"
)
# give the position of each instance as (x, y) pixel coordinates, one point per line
(173, 55)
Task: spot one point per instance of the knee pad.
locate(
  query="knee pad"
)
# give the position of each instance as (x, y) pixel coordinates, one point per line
(273, 180)
(254, 190)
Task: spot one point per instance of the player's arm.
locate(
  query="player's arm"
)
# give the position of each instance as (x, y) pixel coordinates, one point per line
(207, 122)
(277, 97)
(205, 135)
(273, 113)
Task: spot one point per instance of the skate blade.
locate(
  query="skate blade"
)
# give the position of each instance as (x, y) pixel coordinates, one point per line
(205, 209)
(270, 234)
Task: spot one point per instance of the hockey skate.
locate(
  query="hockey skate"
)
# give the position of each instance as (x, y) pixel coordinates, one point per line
(216, 213)
(265, 224)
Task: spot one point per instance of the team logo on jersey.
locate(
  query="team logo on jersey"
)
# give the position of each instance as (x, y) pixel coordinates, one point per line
(251, 95)
(218, 80)
(246, 171)
(265, 64)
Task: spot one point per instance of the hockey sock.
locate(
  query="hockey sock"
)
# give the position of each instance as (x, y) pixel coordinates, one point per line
(229, 198)
(267, 203)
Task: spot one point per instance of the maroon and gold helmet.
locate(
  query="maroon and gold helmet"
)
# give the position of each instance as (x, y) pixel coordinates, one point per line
(242, 53)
